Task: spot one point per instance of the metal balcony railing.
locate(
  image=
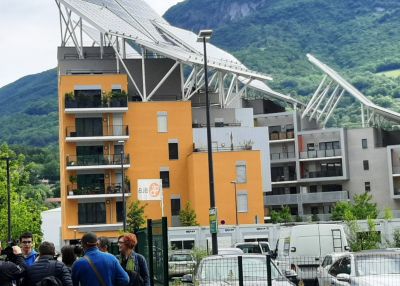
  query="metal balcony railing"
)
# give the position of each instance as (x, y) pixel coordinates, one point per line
(322, 174)
(307, 198)
(320, 153)
(75, 190)
(284, 178)
(97, 160)
(95, 102)
(283, 155)
(113, 130)
(217, 124)
(224, 149)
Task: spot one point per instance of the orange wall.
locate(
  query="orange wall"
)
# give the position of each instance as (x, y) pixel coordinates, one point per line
(224, 173)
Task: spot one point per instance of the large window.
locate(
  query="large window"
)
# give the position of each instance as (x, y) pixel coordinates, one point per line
(241, 175)
(164, 176)
(173, 151)
(242, 202)
(182, 244)
(89, 127)
(91, 213)
(162, 122)
(175, 206)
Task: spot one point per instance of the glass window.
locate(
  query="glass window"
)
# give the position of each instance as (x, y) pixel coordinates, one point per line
(175, 206)
(92, 213)
(173, 151)
(176, 245)
(367, 187)
(366, 165)
(188, 244)
(164, 176)
(364, 143)
(241, 176)
(242, 202)
(120, 211)
(162, 122)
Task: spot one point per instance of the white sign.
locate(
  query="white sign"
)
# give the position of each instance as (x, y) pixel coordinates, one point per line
(150, 190)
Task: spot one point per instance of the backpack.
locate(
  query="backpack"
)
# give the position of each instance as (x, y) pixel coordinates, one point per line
(50, 280)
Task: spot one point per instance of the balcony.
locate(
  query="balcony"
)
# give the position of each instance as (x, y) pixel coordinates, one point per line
(308, 198)
(90, 134)
(97, 191)
(97, 162)
(322, 174)
(284, 156)
(224, 149)
(320, 154)
(276, 180)
(76, 104)
(281, 136)
(217, 124)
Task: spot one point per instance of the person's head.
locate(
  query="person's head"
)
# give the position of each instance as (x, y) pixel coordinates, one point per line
(89, 240)
(68, 255)
(47, 248)
(127, 243)
(26, 241)
(103, 243)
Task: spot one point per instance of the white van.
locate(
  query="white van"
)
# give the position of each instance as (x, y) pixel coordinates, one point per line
(302, 247)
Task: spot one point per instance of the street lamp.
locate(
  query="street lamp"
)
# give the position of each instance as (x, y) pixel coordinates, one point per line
(236, 210)
(204, 36)
(123, 186)
(7, 159)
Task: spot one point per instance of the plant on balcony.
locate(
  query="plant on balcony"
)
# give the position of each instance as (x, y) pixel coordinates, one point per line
(70, 101)
(248, 144)
(118, 98)
(70, 96)
(106, 98)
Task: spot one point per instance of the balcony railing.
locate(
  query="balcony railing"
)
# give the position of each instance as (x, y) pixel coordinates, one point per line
(113, 130)
(281, 135)
(322, 174)
(75, 190)
(95, 102)
(320, 153)
(97, 160)
(224, 149)
(308, 198)
(283, 156)
(284, 178)
(217, 124)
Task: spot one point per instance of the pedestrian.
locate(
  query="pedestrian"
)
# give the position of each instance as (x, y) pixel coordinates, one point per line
(96, 268)
(103, 244)
(26, 241)
(133, 263)
(47, 269)
(68, 255)
(14, 267)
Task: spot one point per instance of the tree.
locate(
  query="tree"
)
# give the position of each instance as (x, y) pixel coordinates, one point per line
(362, 208)
(281, 216)
(135, 216)
(187, 216)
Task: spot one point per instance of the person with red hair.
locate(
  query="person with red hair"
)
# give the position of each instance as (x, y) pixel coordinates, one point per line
(133, 263)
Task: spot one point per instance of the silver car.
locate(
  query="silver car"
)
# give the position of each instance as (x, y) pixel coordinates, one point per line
(322, 271)
(181, 263)
(377, 268)
(223, 270)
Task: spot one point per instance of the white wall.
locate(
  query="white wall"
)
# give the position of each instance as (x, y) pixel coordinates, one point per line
(51, 227)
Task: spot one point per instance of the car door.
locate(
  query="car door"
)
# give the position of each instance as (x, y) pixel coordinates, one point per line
(341, 266)
(322, 273)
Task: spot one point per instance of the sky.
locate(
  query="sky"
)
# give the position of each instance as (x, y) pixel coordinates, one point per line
(30, 35)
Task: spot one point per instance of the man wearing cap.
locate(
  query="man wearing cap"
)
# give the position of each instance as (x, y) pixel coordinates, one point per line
(97, 268)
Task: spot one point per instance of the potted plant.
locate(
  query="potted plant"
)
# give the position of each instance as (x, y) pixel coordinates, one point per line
(119, 98)
(70, 101)
(248, 144)
(73, 180)
(106, 98)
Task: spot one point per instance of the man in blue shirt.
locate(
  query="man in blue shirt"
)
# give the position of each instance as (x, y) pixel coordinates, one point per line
(97, 268)
(26, 241)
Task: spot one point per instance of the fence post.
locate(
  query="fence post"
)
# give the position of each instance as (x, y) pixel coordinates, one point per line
(269, 270)
(240, 270)
(150, 245)
(165, 249)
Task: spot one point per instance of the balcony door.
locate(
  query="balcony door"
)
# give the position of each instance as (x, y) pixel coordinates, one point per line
(91, 184)
(88, 98)
(86, 127)
(90, 155)
(118, 122)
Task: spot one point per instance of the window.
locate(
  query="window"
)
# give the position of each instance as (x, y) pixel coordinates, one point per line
(242, 202)
(364, 143)
(173, 150)
(120, 211)
(92, 213)
(162, 122)
(241, 176)
(313, 189)
(164, 176)
(343, 265)
(175, 206)
(182, 244)
(367, 187)
(366, 165)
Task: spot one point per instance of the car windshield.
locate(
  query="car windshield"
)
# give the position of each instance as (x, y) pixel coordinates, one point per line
(377, 264)
(226, 269)
(265, 247)
(250, 248)
(180, 257)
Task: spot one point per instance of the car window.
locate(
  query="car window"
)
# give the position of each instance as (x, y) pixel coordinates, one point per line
(343, 265)
(250, 248)
(327, 261)
(265, 247)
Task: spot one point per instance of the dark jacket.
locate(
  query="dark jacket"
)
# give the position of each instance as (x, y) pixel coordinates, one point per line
(42, 269)
(107, 265)
(140, 267)
(12, 270)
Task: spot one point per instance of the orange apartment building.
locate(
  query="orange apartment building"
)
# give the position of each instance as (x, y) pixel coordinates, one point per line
(158, 143)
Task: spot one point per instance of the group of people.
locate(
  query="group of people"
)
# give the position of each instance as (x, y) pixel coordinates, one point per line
(94, 267)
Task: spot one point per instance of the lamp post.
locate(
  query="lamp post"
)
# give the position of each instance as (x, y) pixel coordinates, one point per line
(236, 210)
(204, 36)
(7, 159)
(123, 186)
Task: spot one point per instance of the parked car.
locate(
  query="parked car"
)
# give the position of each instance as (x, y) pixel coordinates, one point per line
(322, 271)
(365, 268)
(224, 270)
(302, 247)
(181, 263)
(254, 247)
(230, 250)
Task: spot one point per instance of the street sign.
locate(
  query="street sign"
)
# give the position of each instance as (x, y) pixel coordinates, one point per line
(213, 214)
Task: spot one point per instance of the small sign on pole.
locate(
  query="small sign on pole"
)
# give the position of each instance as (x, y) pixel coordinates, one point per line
(213, 214)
